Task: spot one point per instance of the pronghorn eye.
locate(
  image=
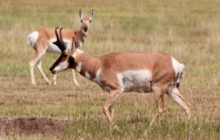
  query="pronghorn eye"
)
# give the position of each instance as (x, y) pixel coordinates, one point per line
(90, 21)
(81, 20)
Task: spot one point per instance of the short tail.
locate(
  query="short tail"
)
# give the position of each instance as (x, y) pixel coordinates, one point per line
(179, 76)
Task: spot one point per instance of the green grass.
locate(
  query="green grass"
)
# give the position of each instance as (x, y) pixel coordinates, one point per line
(188, 30)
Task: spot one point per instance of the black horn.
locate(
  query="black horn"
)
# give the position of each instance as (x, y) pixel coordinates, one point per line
(59, 43)
(57, 33)
(61, 37)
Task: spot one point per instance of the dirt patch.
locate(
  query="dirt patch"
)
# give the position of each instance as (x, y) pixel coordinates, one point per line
(31, 126)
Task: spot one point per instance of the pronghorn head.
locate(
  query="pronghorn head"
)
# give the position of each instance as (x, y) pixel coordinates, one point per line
(66, 59)
(85, 21)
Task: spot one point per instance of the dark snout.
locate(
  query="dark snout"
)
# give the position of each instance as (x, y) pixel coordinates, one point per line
(85, 29)
(52, 71)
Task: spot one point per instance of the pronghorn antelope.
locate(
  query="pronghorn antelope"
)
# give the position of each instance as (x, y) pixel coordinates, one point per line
(41, 41)
(127, 71)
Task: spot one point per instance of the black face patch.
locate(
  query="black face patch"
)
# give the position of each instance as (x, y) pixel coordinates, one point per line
(61, 45)
(71, 62)
(64, 55)
(62, 58)
(56, 63)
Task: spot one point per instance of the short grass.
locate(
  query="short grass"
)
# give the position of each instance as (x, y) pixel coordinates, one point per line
(188, 30)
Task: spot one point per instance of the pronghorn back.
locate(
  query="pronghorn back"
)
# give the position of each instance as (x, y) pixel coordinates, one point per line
(133, 71)
(46, 36)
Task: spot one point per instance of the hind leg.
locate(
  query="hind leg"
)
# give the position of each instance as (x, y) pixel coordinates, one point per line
(32, 63)
(108, 107)
(74, 77)
(39, 66)
(159, 98)
(175, 95)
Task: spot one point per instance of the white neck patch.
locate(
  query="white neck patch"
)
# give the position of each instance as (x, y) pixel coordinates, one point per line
(87, 75)
(78, 67)
(97, 76)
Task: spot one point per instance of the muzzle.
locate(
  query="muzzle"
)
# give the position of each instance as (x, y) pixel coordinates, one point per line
(52, 71)
(85, 29)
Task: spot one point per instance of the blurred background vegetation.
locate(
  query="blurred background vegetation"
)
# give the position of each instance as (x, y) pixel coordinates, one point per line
(189, 30)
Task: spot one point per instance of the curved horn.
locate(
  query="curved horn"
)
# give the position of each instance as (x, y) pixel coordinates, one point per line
(60, 44)
(57, 33)
(61, 37)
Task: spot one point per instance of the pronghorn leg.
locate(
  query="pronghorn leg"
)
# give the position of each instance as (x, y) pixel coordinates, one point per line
(159, 98)
(54, 79)
(39, 66)
(32, 63)
(175, 95)
(112, 109)
(74, 77)
(108, 107)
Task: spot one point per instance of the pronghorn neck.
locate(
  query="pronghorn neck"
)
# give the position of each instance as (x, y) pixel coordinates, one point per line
(82, 35)
(86, 64)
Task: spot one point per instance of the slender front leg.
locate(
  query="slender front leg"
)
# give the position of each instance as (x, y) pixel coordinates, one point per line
(159, 98)
(74, 77)
(54, 79)
(108, 107)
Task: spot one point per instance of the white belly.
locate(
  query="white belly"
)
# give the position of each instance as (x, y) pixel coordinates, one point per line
(135, 80)
(54, 49)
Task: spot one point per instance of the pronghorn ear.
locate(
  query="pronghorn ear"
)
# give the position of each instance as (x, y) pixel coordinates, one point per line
(91, 16)
(80, 15)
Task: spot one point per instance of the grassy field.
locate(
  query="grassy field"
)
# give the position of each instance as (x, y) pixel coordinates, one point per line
(189, 30)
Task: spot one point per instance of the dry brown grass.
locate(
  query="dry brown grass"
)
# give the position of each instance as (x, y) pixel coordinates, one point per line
(188, 30)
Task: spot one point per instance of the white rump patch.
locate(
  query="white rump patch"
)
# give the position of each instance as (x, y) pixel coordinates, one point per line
(54, 49)
(32, 38)
(87, 75)
(135, 80)
(97, 76)
(78, 67)
(177, 66)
